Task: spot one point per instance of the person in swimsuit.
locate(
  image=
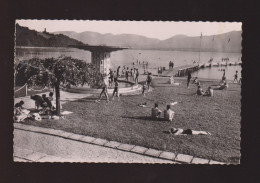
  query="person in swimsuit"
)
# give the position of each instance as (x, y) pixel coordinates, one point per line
(115, 89)
(179, 131)
(235, 77)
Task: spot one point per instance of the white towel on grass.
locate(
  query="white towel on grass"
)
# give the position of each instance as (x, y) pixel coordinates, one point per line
(174, 103)
(66, 112)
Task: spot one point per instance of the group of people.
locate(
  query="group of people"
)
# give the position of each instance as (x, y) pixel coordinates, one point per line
(171, 65)
(225, 59)
(47, 105)
(168, 113)
(104, 85)
(220, 86)
(126, 73)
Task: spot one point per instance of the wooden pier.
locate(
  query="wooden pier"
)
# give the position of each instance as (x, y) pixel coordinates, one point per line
(184, 70)
(179, 71)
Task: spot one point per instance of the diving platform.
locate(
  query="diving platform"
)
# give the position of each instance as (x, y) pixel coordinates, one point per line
(100, 55)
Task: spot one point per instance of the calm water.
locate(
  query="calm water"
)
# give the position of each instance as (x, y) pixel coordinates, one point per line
(155, 58)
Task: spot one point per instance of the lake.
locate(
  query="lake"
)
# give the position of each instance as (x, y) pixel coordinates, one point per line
(155, 59)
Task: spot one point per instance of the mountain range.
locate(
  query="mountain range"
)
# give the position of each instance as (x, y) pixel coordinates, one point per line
(226, 42)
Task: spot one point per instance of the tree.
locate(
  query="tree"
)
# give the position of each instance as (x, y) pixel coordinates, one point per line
(56, 72)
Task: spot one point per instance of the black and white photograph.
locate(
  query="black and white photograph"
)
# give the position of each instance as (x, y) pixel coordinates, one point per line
(97, 91)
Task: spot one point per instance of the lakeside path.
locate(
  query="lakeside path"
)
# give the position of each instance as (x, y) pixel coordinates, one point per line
(32, 146)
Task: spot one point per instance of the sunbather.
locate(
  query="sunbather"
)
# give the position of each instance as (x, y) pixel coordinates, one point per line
(179, 131)
(168, 113)
(156, 112)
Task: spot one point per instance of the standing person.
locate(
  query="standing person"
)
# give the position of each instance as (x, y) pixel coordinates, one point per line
(126, 74)
(144, 67)
(116, 91)
(235, 77)
(149, 80)
(158, 71)
(131, 72)
(123, 70)
(147, 65)
(104, 89)
(50, 98)
(170, 64)
(143, 89)
(117, 72)
(111, 77)
(188, 79)
(224, 75)
(168, 113)
(136, 76)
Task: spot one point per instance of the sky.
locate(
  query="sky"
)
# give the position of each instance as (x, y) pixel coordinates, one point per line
(152, 29)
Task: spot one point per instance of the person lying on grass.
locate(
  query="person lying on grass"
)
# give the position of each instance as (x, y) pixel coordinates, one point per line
(179, 131)
(156, 112)
(168, 113)
(221, 86)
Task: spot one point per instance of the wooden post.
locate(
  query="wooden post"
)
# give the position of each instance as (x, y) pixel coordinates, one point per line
(26, 89)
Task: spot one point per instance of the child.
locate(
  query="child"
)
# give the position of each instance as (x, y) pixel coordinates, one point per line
(115, 89)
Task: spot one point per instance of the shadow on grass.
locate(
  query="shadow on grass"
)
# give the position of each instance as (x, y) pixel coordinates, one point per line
(85, 100)
(187, 94)
(147, 118)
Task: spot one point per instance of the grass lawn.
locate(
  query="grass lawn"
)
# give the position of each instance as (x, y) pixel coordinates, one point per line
(125, 122)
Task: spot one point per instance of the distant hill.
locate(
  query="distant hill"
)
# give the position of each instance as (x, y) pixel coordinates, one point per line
(124, 40)
(220, 43)
(178, 42)
(27, 37)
